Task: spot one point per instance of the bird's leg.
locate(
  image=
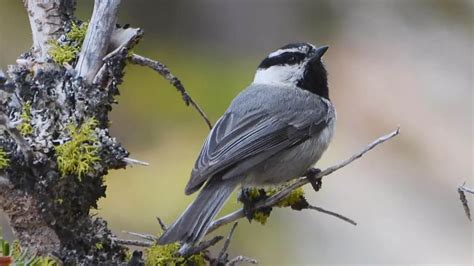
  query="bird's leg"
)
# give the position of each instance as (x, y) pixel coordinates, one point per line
(248, 201)
(311, 174)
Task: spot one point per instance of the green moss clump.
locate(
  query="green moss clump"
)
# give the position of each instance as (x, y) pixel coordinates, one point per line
(292, 199)
(77, 33)
(261, 217)
(25, 126)
(167, 255)
(4, 161)
(254, 193)
(128, 255)
(295, 200)
(78, 155)
(99, 246)
(64, 52)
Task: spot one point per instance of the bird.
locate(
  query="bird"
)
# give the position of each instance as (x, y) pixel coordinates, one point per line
(275, 130)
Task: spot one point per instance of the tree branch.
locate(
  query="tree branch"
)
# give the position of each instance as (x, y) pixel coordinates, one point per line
(46, 21)
(122, 38)
(144, 236)
(223, 254)
(26, 221)
(132, 162)
(203, 245)
(16, 135)
(462, 197)
(97, 40)
(276, 198)
(162, 224)
(130, 242)
(335, 214)
(238, 259)
(166, 73)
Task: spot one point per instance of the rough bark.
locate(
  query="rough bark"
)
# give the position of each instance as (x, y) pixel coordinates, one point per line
(97, 40)
(54, 135)
(25, 218)
(46, 20)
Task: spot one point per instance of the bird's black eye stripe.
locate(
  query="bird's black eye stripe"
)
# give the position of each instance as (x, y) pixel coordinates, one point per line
(287, 58)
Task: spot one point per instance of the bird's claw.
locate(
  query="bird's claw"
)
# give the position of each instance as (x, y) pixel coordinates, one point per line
(316, 183)
(248, 203)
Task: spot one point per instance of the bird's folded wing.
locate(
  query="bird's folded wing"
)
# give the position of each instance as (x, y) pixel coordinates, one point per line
(237, 146)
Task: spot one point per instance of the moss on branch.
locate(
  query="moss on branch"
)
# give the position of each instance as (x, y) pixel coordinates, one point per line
(168, 255)
(66, 50)
(4, 161)
(78, 155)
(25, 126)
(295, 200)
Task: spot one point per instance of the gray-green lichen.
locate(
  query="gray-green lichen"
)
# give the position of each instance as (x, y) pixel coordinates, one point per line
(64, 121)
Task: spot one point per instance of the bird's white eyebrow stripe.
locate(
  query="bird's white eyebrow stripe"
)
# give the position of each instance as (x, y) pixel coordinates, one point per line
(280, 51)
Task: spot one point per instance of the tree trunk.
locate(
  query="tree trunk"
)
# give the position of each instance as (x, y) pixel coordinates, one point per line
(55, 147)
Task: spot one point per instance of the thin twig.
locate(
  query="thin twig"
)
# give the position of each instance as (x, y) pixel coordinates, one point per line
(462, 196)
(204, 245)
(166, 73)
(276, 198)
(121, 41)
(238, 259)
(132, 162)
(337, 215)
(130, 242)
(223, 254)
(144, 236)
(19, 139)
(466, 189)
(162, 224)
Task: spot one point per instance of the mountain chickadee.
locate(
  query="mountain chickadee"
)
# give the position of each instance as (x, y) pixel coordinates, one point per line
(272, 132)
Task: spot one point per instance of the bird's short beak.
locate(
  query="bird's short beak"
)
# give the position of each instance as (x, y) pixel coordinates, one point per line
(320, 51)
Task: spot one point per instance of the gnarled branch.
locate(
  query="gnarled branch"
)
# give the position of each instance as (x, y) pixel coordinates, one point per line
(46, 21)
(462, 190)
(165, 72)
(97, 39)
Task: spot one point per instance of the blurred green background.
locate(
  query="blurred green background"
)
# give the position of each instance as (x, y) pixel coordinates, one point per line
(407, 63)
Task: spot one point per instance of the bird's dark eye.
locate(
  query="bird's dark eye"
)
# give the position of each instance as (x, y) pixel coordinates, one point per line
(292, 59)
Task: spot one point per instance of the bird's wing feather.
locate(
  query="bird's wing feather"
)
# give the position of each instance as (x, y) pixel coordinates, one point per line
(257, 135)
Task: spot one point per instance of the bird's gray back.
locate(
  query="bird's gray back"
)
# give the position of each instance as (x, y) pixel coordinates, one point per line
(288, 103)
(260, 122)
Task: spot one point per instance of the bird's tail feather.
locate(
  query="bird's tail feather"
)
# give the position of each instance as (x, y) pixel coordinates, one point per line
(192, 225)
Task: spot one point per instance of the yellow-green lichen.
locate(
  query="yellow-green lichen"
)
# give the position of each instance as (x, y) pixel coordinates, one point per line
(25, 126)
(292, 199)
(4, 161)
(63, 52)
(77, 33)
(253, 193)
(99, 246)
(167, 255)
(128, 255)
(261, 217)
(78, 155)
